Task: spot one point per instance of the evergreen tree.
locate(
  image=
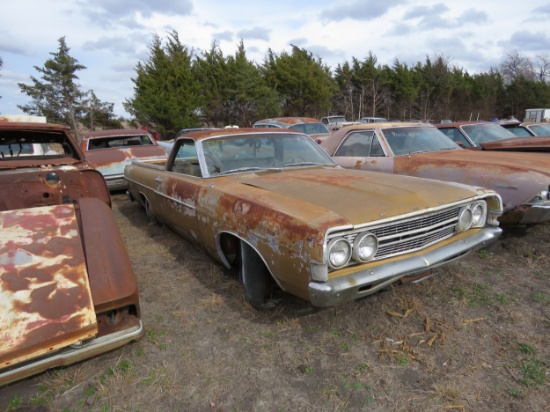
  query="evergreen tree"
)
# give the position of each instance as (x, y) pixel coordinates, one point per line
(56, 95)
(166, 93)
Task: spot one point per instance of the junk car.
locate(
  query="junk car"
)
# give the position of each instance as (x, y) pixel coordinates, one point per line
(67, 288)
(272, 205)
(421, 150)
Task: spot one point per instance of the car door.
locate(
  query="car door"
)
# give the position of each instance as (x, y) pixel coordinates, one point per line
(362, 149)
(178, 188)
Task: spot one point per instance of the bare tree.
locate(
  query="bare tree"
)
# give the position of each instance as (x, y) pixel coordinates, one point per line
(542, 68)
(516, 67)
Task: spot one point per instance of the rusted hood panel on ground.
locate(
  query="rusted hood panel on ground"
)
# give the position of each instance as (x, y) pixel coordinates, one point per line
(45, 297)
(524, 144)
(355, 196)
(113, 161)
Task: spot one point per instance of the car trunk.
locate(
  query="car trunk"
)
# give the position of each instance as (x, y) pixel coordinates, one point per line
(45, 297)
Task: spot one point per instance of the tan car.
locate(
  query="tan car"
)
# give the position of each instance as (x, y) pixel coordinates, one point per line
(67, 288)
(271, 204)
(109, 151)
(314, 128)
(421, 150)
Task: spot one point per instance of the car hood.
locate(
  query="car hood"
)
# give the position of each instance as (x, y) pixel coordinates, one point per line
(355, 196)
(527, 144)
(476, 162)
(45, 298)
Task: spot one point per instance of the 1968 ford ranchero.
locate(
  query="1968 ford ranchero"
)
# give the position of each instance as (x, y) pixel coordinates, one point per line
(272, 204)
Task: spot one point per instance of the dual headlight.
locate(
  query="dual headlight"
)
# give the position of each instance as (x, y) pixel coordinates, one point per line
(474, 215)
(341, 250)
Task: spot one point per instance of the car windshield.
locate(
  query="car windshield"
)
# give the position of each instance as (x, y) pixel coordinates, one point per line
(119, 141)
(540, 129)
(340, 119)
(310, 128)
(408, 140)
(242, 153)
(486, 132)
(25, 144)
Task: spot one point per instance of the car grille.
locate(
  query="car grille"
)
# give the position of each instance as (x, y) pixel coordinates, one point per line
(410, 235)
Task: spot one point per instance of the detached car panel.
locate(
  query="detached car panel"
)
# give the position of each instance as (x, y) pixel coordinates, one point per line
(271, 204)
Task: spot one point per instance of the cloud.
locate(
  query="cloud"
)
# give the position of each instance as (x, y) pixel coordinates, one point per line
(223, 35)
(542, 9)
(527, 41)
(255, 33)
(425, 11)
(363, 10)
(11, 44)
(108, 13)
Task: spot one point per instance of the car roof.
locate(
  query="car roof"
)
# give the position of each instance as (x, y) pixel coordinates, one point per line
(288, 121)
(113, 133)
(205, 134)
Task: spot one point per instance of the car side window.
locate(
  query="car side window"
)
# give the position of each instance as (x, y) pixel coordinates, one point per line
(186, 161)
(360, 144)
(456, 136)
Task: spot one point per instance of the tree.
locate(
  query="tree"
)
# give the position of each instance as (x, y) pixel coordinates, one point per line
(56, 95)
(305, 84)
(99, 114)
(515, 67)
(166, 93)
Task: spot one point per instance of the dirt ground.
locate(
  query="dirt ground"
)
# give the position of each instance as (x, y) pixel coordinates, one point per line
(473, 337)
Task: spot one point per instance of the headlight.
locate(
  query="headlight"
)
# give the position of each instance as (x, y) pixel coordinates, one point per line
(479, 214)
(464, 219)
(339, 252)
(474, 215)
(365, 247)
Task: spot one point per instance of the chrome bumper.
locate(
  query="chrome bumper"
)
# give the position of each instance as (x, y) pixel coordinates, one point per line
(70, 355)
(367, 281)
(536, 214)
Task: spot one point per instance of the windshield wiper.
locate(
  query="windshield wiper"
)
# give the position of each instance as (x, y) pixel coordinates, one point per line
(304, 164)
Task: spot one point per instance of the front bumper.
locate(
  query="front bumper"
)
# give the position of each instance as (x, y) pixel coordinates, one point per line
(70, 355)
(536, 214)
(368, 281)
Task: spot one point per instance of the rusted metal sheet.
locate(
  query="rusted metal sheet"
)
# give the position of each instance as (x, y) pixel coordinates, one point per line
(49, 185)
(45, 302)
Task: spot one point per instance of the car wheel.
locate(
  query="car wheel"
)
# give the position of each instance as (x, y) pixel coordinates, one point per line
(149, 212)
(256, 278)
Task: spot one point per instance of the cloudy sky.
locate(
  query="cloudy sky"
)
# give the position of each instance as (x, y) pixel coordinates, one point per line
(110, 37)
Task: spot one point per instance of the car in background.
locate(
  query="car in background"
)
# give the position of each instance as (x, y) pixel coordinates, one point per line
(421, 150)
(527, 129)
(491, 136)
(272, 205)
(67, 288)
(373, 120)
(334, 123)
(109, 151)
(312, 127)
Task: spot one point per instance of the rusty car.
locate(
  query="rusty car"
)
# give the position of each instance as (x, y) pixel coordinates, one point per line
(421, 150)
(527, 129)
(109, 151)
(314, 128)
(68, 291)
(491, 136)
(271, 204)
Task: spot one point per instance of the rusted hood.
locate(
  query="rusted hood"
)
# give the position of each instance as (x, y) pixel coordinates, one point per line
(45, 297)
(526, 144)
(356, 196)
(483, 162)
(113, 161)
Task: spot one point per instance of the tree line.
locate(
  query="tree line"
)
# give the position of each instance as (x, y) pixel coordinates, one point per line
(178, 87)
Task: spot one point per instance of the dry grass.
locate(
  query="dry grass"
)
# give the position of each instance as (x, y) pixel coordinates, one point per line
(476, 336)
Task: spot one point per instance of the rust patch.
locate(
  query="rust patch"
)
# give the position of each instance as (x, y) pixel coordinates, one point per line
(45, 297)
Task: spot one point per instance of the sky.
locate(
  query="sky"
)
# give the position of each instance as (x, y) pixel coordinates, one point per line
(110, 37)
